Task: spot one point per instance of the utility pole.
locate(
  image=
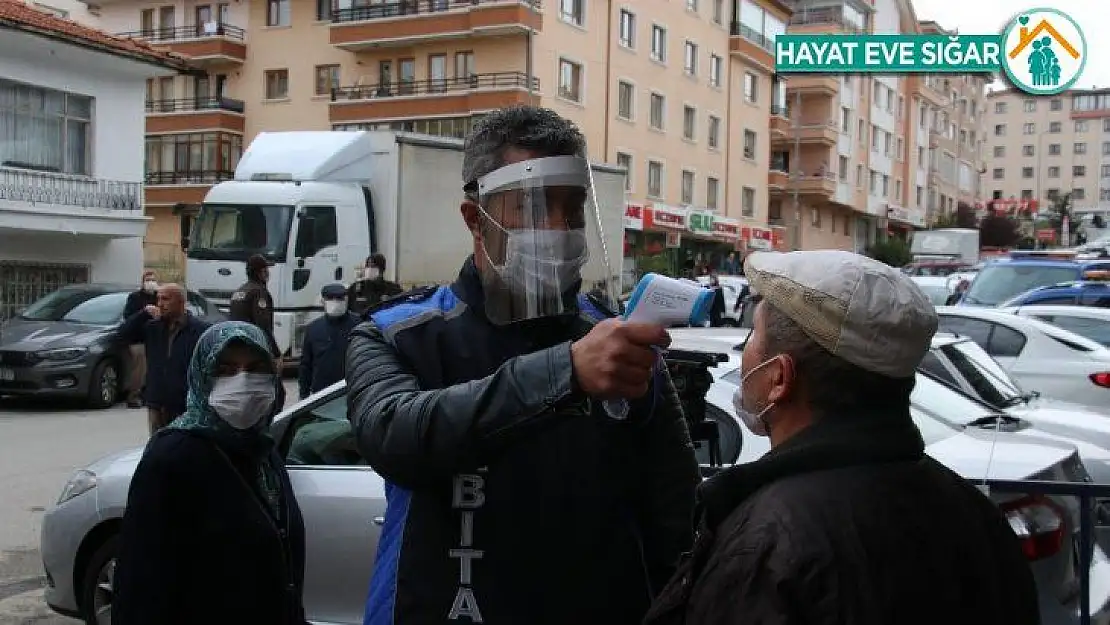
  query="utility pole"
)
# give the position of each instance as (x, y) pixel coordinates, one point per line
(795, 170)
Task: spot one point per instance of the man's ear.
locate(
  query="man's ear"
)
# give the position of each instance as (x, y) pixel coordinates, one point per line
(469, 211)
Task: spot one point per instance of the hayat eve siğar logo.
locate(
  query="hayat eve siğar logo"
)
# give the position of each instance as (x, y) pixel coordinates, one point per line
(1044, 51)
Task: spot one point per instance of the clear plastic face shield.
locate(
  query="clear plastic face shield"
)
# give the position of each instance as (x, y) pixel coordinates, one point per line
(543, 238)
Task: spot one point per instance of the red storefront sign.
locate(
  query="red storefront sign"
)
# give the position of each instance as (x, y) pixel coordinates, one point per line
(778, 238)
(1046, 235)
(727, 229)
(633, 217)
(757, 238)
(660, 216)
(1012, 207)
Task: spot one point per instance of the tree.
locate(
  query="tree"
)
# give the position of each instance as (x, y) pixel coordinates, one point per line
(998, 231)
(965, 216)
(892, 251)
(1061, 208)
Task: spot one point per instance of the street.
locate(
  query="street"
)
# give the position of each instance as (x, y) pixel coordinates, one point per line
(41, 444)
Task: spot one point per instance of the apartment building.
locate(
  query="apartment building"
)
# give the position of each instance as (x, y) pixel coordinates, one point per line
(1042, 147)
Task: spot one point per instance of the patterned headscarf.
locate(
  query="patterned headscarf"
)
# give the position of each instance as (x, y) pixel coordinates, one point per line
(201, 417)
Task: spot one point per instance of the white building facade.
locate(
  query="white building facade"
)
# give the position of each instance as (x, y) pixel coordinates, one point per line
(71, 155)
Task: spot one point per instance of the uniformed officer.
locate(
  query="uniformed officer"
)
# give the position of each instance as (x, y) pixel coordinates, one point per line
(325, 342)
(371, 288)
(253, 303)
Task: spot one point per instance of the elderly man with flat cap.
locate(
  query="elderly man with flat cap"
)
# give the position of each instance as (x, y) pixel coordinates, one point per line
(846, 520)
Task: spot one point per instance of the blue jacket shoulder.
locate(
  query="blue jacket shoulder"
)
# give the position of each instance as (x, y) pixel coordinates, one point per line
(413, 307)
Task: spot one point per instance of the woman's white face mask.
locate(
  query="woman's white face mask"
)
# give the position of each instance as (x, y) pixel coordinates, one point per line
(244, 399)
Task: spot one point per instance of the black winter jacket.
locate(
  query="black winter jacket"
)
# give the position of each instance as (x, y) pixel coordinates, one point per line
(512, 498)
(167, 364)
(848, 523)
(198, 544)
(324, 352)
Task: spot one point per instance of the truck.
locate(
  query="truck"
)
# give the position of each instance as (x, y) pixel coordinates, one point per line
(316, 204)
(947, 246)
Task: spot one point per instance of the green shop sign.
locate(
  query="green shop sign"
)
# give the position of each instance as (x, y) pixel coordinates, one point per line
(700, 222)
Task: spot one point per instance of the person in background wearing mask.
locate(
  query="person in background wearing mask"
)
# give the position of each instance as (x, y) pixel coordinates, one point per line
(846, 519)
(512, 495)
(253, 303)
(325, 342)
(169, 334)
(961, 288)
(147, 295)
(212, 532)
(372, 288)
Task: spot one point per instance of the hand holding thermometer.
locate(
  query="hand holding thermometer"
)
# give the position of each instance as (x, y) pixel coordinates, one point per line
(667, 302)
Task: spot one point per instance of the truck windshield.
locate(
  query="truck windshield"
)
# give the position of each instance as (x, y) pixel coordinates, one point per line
(998, 283)
(237, 231)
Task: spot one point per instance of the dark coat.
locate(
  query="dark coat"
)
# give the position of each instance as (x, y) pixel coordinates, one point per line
(253, 303)
(167, 364)
(198, 544)
(848, 523)
(138, 300)
(324, 352)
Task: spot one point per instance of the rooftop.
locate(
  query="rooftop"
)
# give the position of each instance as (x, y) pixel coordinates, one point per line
(15, 15)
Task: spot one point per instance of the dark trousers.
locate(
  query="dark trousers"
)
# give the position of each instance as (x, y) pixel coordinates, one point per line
(158, 418)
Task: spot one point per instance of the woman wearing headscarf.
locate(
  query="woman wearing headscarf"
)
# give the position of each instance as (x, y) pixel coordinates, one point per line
(212, 533)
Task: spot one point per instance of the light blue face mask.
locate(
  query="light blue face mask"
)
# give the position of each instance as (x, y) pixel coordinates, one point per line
(754, 421)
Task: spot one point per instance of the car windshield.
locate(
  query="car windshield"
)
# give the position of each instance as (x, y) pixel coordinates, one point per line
(982, 373)
(998, 283)
(78, 305)
(945, 402)
(238, 231)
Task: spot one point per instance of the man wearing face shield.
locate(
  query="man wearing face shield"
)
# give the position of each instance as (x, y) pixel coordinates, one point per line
(513, 495)
(324, 351)
(846, 519)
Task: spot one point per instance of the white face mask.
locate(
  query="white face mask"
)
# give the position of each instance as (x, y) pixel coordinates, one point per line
(335, 308)
(244, 399)
(550, 259)
(150, 286)
(754, 421)
(368, 273)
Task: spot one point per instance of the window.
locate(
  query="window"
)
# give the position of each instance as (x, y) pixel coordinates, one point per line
(572, 11)
(45, 129)
(1105, 171)
(842, 168)
(277, 84)
(747, 201)
(1052, 194)
(1030, 105)
(1093, 329)
(999, 107)
(1106, 125)
(712, 192)
(625, 161)
(999, 151)
(570, 80)
(714, 70)
(689, 123)
(751, 87)
(626, 96)
(323, 10)
(1055, 127)
(1000, 130)
(1005, 342)
(317, 436)
(690, 59)
(1106, 148)
(655, 179)
(714, 136)
(628, 29)
(1027, 150)
(1078, 171)
(1080, 148)
(1078, 194)
(1081, 125)
(1054, 149)
(658, 43)
(718, 11)
(324, 230)
(1028, 128)
(192, 158)
(1056, 104)
(845, 120)
(658, 111)
(687, 187)
(1026, 172)
(327, 78)
(1054, 172)
(277, 12)
(749, 144)
(692, 5)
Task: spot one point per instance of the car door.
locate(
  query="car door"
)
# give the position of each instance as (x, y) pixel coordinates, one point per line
(343, 503)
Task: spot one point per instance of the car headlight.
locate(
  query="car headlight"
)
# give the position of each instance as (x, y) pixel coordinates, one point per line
(66, 353)
(82, 481)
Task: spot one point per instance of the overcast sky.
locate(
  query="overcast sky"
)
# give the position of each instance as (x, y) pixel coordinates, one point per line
(988, 16)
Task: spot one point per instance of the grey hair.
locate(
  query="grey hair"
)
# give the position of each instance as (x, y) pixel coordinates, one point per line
(526, 127)
(832, 386)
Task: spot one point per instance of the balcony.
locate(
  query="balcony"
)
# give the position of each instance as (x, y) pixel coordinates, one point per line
(194, 115)
(808, 134)
(777, 179)
(167, 188)
(822, 20)
(813, 84)
(780, 123)
(816, 187)
(922, 86)
(207, 44)
(49, 201)
(432, 98)
(752, 46)
(405, 22)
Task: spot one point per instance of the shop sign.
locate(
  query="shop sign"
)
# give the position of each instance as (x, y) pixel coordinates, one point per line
(726, 228)
(1046, 235)
(674, 239)
(912, 216)
(663, 216)
(700, 222)
(1012, 207)
(757, 238)
(633, 217)
(778, 238)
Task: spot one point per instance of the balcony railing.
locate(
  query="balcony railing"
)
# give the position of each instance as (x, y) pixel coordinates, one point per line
(398, 8)
(736, 29)
(203, 176)
(824, 15)
(39, 187)
(780, 111)
(497, 80)
(195, 105)
(177, 33)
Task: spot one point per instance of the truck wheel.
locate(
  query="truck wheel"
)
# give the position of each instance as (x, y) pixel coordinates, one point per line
(104, 385)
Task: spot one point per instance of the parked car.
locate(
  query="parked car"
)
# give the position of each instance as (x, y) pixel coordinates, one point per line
(936, 288)
(732, 286)
(1042, 357)
(1001, 279)
(1086, 292)
(63, 344)
(1086, 321)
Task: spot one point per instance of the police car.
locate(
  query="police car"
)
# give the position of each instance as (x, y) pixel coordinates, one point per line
(1092, 290)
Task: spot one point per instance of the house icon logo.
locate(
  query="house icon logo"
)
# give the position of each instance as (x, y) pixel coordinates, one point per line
(1045, 51)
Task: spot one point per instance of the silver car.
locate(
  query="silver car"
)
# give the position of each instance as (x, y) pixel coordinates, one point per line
(343, 502)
